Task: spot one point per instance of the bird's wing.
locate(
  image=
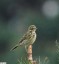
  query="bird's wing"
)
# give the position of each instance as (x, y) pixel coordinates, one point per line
(21, 42)
(25, 37)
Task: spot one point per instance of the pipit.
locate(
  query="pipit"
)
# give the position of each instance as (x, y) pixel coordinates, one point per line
(28, 38)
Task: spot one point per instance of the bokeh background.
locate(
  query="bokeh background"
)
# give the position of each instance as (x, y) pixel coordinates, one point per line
(15, 18)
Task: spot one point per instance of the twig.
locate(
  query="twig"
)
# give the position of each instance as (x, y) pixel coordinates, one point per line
(30, 58)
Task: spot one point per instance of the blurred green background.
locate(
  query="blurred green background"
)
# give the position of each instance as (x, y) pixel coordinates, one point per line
(15, 18)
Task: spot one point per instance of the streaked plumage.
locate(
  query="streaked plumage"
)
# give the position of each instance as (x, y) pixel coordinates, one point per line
(28, 38)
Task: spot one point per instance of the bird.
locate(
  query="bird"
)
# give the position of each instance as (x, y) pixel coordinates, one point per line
(28, 38)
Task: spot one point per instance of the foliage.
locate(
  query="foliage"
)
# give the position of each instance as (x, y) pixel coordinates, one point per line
(57, 52)
(24, 61)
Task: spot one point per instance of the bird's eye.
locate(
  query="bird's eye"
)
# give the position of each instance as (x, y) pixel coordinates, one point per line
(31, 28)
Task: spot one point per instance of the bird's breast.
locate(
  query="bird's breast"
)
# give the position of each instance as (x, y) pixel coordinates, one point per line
(33, 38)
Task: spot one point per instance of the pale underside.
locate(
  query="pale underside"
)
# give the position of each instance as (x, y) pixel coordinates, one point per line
(29, 40)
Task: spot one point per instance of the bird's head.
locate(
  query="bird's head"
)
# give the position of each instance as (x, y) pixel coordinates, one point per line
(32, 28)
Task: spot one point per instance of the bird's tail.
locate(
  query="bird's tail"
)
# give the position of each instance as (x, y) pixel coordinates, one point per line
(14, 47)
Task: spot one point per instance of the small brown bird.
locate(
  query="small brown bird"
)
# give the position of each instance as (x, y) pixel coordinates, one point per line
(28, 38)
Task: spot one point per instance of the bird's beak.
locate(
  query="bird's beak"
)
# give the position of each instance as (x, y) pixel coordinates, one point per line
(36, 28)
